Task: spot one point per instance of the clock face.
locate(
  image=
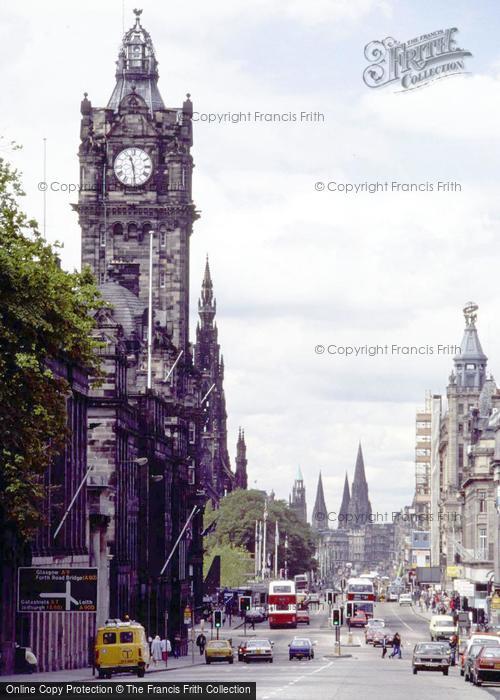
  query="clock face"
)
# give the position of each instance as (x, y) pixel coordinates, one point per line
(133, 166)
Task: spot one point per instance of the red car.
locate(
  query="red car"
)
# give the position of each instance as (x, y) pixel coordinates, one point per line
(303, 615)
(359, 619)
(486, 666)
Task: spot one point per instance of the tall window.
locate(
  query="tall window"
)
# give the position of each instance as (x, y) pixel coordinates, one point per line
(481, 496)
(483, 541)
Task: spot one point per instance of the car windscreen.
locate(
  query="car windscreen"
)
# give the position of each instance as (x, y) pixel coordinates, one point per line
(300, 643)
(445, 623)
(217, 645)
(430, 649)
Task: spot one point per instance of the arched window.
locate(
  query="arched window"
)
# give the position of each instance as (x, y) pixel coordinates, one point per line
(117, 230)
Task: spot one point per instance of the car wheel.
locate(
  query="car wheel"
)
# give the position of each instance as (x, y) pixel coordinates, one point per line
(109, 674)
(101, 673)
(461, 672)
(207, 661)
(231, 660)
(247, 661)
(414, 671)
(290, 658)
(141, 672)
(270, 661)
(445, 672)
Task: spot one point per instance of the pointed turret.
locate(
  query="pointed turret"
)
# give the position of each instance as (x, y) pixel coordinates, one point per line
(320, 512)
(470, 363)
(207, 305)
(359, 505)
(344, 506)
(297, 500)
(137, 69)
(241, 477)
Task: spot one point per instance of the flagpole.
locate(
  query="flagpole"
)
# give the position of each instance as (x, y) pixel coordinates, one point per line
(256, 547)
(276, 542)
(259, 551)
(264, 544)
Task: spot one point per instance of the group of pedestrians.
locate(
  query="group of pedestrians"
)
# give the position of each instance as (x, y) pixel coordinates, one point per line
(396, 646)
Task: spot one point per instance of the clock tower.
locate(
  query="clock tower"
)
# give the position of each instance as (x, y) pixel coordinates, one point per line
(135, 176)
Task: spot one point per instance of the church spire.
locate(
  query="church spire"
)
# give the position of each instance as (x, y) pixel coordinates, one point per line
(359, 505)
(137, 69)
(241, 477)
(344, 506)
(320, 512)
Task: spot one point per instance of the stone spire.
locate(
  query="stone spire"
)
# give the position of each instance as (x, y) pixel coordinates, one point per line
(470, 363)
(241, 477)
(320, 511)
(344, 506)
(359, 505)
(206, 305)
(137, 69)
(297, 500)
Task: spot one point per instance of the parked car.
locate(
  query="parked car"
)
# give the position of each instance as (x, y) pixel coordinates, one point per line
(470, 658)
(487, 666)
(258, 650)
(303, 615)
(359, 619)
(255, 615)
(431, 656)
(301, 648)
(442, 627)
(405, 599)
(218, 650)
(483, 639)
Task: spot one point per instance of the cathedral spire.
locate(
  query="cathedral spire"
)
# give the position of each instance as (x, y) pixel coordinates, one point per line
(344, 506)
(297, 500)
(359, 505)
(137, 69)
(241, 477)
(320, 512)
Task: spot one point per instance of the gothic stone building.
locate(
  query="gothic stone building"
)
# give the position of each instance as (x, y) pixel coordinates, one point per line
(154, 427)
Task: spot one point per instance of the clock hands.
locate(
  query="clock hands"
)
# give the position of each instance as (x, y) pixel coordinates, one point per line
(133, 167)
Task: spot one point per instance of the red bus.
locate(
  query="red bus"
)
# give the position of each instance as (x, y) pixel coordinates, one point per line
(282, 602)
(362, 592)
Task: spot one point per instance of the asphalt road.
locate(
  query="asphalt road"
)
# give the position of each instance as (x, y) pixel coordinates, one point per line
(359, 673)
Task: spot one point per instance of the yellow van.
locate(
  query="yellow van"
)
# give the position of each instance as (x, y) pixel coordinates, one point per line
(121, 646)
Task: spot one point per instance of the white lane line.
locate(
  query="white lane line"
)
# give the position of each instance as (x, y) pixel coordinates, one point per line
(404, 623)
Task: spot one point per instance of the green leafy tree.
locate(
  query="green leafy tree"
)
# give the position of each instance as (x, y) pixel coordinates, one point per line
(235, 526)
(45, 313)
(236, 564)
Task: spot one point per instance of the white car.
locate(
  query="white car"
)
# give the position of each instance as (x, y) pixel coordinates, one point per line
(405, 599)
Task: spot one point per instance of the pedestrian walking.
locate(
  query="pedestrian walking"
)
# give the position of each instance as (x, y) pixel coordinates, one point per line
(177, 645)
(384, 646)
(166, 648)
(156, 650)
(201, 641)
(453, 648)
(396, 646)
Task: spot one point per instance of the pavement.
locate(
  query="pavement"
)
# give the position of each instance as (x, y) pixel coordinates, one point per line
(358, 673)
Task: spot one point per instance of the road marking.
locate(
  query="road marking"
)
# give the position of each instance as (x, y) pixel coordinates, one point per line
(404, 623)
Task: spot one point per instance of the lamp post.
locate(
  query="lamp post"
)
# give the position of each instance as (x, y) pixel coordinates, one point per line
(150, 309)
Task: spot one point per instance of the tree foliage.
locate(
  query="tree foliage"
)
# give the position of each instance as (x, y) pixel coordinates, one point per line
(45, 313)
(236, 564)
(235, 526)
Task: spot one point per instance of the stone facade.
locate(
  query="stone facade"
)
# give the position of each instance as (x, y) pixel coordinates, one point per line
(297, 500)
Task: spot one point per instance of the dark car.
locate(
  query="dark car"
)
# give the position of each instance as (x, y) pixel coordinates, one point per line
(381, 633)
(255, 615)
(300, 648)
(431, 656)
(242, 646)
(471, 655)
(487, 666)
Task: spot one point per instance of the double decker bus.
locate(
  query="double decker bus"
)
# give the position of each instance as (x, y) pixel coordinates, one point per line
(282, 604)
(362, 592)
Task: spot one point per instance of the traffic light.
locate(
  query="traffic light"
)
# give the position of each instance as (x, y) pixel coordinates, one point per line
(218, 618)
(337, 617)
(245, 602)
(330, 597)
(351, 609)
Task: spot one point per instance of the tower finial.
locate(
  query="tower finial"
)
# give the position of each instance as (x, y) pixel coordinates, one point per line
(470, 313)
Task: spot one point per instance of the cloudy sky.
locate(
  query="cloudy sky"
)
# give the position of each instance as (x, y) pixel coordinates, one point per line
(293, 267)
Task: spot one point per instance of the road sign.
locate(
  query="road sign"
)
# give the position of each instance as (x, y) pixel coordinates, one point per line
(44, 589)
(187, 615)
